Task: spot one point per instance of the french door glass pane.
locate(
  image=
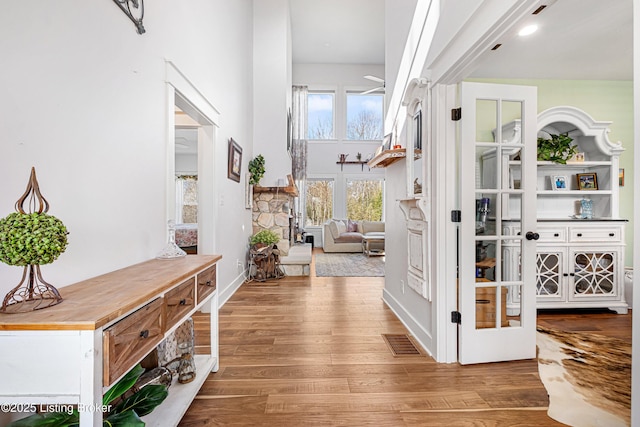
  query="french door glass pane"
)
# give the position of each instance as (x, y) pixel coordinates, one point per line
(486, 119)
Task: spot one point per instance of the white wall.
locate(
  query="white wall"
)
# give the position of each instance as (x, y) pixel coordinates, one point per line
(272, 87)
(323, 155)
(398, 16)
(84, 101)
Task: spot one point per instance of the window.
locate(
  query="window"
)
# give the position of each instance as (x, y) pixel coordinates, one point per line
(186, 199)
(364, 199)
(320, 115)
(318, 201)
(364, 117)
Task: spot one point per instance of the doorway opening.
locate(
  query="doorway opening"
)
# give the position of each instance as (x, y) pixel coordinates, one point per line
(191, 189)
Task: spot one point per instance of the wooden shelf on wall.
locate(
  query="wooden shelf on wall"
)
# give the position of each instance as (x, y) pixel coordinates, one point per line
(352, 162)
(387, 157)
(290, 189)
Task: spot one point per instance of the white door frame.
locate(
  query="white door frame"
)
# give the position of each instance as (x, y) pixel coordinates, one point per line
(182, 92)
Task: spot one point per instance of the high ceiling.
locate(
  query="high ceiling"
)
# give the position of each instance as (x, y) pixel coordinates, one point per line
(337, 31)
(577, 39)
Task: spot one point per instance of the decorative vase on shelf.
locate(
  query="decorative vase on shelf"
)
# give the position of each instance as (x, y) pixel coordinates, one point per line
(171, 249)
(586, 209)
(30, 238)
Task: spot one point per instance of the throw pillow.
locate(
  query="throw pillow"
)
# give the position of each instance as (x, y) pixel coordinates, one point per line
(352, 227)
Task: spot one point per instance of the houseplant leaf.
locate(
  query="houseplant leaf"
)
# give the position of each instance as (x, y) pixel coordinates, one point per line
(257, 169)
(144, 401)
(557, 148)
(124, 419)
(266, 237)
(48, 419)
(123, 385)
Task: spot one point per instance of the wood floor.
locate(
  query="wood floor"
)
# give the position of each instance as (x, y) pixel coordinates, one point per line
(308, 351)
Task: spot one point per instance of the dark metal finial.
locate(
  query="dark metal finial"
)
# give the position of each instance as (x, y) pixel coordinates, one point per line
(126, 6)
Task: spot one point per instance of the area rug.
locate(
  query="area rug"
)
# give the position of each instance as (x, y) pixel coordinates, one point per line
(587, 376)
(348, 265)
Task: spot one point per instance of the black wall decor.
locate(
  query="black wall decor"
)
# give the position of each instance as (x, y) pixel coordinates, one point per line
(126, 6)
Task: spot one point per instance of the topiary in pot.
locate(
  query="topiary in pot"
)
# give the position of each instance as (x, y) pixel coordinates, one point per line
(31, 239)
(556, 149)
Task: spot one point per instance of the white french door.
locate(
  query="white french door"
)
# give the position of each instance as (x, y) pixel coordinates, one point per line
(497, 230)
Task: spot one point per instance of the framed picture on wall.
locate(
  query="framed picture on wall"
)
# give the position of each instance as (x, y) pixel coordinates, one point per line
(234, 165)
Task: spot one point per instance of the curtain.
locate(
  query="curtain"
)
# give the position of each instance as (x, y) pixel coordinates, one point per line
(299, 149)
(299, 133)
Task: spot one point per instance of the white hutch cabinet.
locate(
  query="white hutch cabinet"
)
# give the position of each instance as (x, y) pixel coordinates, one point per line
(580, 262)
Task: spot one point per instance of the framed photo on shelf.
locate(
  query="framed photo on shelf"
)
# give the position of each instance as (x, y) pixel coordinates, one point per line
(559, 182)
(234, 161)
(578, 157)
(587, 181)
(386, 142)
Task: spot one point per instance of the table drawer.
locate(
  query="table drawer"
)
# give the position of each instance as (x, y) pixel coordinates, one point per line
(552, 234)
(178, 302)
(608, 234)
(206, 283)
(128, 340)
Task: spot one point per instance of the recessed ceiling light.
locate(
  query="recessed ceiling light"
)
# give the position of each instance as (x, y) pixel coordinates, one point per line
(529, 29)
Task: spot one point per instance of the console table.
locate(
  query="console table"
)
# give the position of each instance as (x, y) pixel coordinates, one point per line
(75, 351)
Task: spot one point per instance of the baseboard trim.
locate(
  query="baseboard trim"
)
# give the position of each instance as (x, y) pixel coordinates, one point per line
(231, 288)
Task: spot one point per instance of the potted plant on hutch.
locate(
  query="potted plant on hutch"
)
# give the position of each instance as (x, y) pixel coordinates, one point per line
(557, 148)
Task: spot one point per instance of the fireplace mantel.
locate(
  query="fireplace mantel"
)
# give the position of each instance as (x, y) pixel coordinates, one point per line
(290, 189)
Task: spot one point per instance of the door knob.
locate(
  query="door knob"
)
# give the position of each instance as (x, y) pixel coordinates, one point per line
(532, 236)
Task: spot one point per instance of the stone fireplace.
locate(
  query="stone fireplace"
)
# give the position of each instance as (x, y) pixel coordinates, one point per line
(273, 210)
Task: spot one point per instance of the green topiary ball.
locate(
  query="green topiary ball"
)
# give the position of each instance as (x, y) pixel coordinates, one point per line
(31, 238)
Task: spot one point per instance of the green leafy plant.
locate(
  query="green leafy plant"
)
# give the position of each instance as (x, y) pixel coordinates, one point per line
(557, 149)
(256, 168)
(266, 237)
(123, 410)
(31, 238)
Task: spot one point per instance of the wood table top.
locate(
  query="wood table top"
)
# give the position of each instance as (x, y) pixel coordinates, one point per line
(92, 303)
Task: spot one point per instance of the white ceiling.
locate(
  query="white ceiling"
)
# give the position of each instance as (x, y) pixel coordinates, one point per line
(337, 31)
(577, 39)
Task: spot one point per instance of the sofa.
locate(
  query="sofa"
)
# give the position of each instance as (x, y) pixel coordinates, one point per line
(346, 235)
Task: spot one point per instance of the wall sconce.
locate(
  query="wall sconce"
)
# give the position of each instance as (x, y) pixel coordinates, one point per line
(126, 5)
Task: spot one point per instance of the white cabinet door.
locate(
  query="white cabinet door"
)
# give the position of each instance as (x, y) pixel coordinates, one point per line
(595, 274)
(489, 194)
(551, 275)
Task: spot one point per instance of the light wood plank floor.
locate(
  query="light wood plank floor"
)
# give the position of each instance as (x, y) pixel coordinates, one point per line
(308, 351)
